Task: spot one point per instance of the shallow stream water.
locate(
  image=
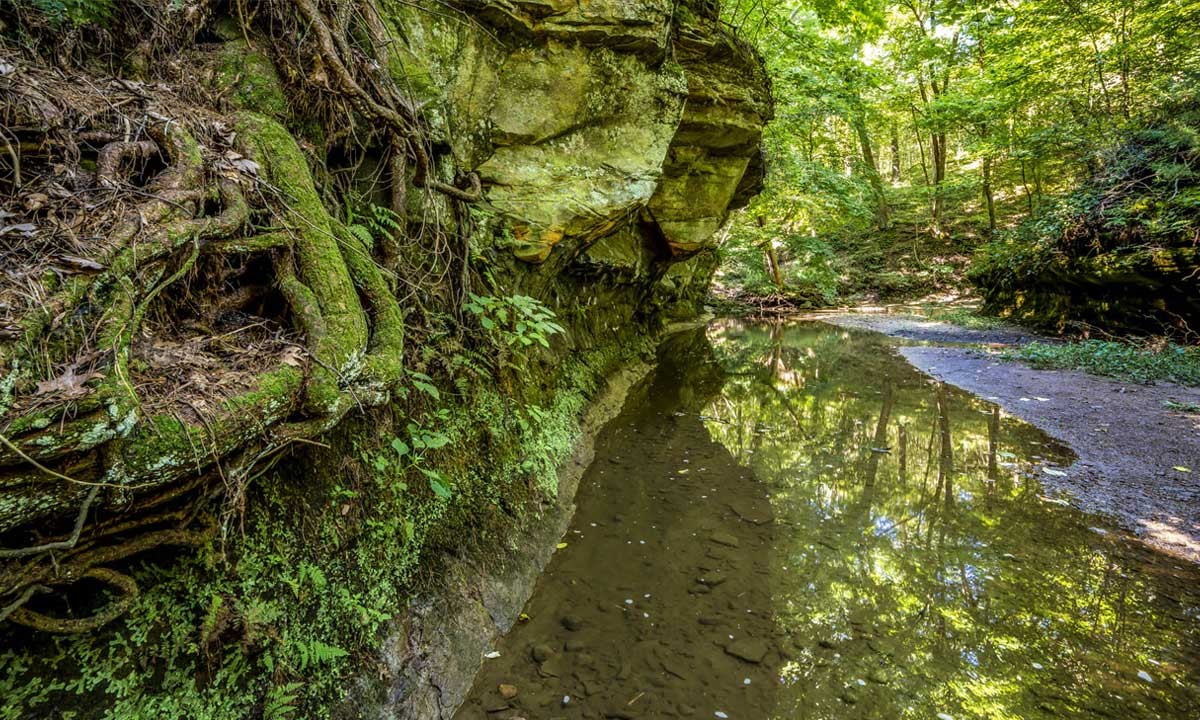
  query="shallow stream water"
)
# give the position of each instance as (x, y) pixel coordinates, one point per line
(790, 521)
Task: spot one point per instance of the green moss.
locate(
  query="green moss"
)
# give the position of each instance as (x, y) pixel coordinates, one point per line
(249, 75)
(302, 590)
(164, 444)
(337, 327)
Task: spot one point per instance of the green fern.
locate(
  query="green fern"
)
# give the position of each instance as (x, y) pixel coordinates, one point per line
(469, 365)
(362, 233)
(384, 221)
(280, 703)
(312, 653)
(375, 222)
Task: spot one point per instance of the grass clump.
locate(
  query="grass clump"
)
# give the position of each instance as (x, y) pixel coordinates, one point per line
(965, 317)
(1186, 407)
(1141, 364)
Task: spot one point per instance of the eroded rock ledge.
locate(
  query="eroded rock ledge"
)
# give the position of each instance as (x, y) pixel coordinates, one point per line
(239, 245)
(610, 138)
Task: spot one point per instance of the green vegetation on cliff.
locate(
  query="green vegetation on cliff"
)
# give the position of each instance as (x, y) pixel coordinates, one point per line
(302, 298)
(1120, 252)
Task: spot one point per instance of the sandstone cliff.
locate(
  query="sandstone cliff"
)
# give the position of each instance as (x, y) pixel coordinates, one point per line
(247, 243)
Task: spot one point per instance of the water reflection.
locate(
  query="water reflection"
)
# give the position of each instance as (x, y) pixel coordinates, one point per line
(791, 522)
(922, 572)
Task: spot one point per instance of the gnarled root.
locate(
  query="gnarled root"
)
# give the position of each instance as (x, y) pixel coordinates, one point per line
(102, 428)
(171, 246)
(382, 101)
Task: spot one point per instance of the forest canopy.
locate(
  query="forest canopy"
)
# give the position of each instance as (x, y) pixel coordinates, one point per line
(913, 134)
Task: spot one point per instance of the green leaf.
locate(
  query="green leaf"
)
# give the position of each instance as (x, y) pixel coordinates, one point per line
(400, 447)
(439, 489)
(436, 440)
(428, 389)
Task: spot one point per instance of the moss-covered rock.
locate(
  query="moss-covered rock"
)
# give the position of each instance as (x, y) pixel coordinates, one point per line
(586, 122)
(1120, 252)
(339, 463)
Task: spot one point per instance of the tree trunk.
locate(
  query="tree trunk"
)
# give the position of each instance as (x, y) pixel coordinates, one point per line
(879, 441)
(1037, 186)
(993, 466)
(921, 145)
(772, 261)
(1025, 186)
(872, 172)
(988, 195)
(773, 264)
(895, 154)
(937, 141)
(946, 448)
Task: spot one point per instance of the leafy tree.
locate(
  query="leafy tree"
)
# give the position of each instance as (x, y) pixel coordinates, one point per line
(909, 132)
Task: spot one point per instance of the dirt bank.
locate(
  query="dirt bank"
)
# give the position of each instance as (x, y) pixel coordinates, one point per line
(1130, 446)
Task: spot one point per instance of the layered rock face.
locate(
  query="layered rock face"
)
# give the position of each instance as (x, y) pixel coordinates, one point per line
(612, 139)
(586, 118)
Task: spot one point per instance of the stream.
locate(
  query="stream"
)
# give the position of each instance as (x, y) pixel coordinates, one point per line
(789, 521)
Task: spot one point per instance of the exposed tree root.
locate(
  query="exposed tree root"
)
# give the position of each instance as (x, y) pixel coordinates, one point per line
(159, 239)
(384, 104)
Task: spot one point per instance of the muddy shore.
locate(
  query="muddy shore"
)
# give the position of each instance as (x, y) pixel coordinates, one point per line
(1134, 454)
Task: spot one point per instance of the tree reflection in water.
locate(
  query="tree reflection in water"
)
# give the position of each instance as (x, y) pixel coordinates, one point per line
(918, 569)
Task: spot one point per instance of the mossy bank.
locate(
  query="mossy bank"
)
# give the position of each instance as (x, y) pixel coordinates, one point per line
(308, 301)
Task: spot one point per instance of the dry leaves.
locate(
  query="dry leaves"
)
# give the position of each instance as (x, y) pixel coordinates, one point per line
(69, 384)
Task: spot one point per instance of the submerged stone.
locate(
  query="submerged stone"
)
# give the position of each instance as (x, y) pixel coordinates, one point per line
(752, 650)
(724, 538)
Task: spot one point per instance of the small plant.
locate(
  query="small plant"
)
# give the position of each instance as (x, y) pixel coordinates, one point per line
(408, 456)
(75, 12)
(423, 439)
(470, 365)
(280, 703)
(422, 383)
(376, 221)
(311, 653)
(515, 320)
(966, 317)
(1186, 407)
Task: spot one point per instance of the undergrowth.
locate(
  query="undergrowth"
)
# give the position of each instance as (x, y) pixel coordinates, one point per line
(1144, 365)
(965, 317)
(280, 624)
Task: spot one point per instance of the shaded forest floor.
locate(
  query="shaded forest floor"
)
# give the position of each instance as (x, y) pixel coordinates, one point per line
(1138, 447)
